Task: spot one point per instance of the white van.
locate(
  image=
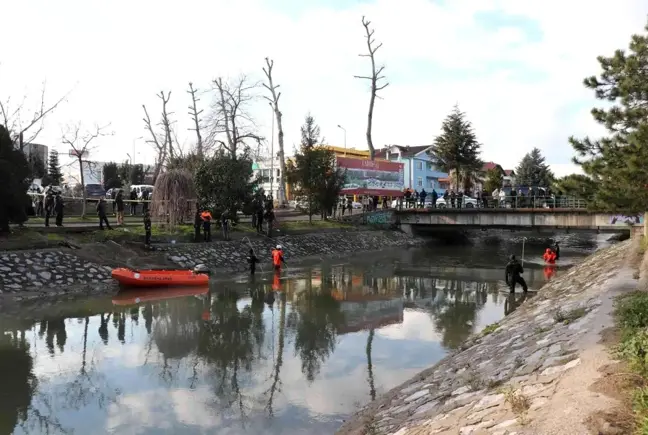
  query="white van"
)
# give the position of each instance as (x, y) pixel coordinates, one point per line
(140, 188)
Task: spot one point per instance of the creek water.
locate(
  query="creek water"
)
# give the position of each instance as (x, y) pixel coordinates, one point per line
(235, 360)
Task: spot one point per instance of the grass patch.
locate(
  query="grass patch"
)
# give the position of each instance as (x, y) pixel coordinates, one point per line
(518, 402)
(489, 329)
(632, 318)
(570, 316)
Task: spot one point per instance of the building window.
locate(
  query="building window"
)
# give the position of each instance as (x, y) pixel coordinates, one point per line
(419, 182)
(430, 166)
(431, 183)
(419, 165)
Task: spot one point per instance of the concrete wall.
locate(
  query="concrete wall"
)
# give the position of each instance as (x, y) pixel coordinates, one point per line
(520, 218)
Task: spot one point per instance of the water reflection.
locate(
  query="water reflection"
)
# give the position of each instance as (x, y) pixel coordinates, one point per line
(243, 358)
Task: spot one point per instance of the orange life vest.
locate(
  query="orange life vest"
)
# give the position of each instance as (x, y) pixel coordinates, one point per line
(549, 256)
(206, 216)
(276, 257)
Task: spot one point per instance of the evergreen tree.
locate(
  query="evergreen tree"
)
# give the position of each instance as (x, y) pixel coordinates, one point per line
(124, 172)
(494, 179)
(137, 174)
(457, 149)
(576, 185)
(14, 182)
(313, 171)
(617, 163)
(110, 173)
(54, 169)
(533, 171)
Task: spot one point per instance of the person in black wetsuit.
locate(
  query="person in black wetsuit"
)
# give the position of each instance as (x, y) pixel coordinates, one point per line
(556, 249)
(512, 275)
(147, 228)
(252, 260)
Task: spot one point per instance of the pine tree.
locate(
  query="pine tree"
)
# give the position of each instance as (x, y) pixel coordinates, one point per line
(617, 163)
(54, 174)
(457, 149)
(533, 171)
(110, 174)
(137, 174)
(313, 172)
(494, 179)
(14, 176)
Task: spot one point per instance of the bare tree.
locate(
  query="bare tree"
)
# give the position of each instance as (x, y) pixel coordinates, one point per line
(162, 141)
(25, 125)
(231, 120)
(375, 78)
(274, 102)
(81, 143)
(195, 116)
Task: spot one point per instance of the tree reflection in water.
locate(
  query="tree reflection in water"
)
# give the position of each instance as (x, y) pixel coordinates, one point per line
(319, 318)
(17, 381)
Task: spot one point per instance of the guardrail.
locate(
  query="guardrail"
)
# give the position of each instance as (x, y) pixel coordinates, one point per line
(549, 202)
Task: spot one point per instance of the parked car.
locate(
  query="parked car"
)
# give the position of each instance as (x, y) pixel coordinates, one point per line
(94, 191)
(140, 188)
(467, 202)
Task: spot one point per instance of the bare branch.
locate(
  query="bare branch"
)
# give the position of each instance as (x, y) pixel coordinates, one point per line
(274, 103)
(375, 77)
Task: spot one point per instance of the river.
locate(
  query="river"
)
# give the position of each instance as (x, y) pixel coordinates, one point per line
(232, 361)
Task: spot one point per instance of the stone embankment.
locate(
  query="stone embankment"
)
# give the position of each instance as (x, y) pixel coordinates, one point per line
(231, 256)
(59, 271)
(533, 373)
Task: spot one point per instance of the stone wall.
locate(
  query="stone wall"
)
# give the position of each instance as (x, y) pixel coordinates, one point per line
(55, 272)
(232, 255)
(528, 354)
(45, 270)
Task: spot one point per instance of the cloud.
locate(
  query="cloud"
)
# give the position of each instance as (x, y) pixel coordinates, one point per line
(515, 68)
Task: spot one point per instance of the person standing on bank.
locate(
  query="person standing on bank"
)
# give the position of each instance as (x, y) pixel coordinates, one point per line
(147, 229)
(197, 223)
(119, 202)
(49, 206)
(225, 222)
(58, 208)
(513, 275)
(206, 217)
(101, 212)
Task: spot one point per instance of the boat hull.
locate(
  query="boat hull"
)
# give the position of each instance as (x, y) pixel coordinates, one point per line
(159, 278)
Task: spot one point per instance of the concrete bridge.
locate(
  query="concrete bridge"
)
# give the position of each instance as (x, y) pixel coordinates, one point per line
(538, 219)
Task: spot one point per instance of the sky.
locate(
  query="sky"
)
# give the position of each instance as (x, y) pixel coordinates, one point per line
(515, 67)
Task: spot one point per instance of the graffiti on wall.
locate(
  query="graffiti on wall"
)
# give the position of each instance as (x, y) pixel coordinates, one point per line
(621, 219)
(379, 218)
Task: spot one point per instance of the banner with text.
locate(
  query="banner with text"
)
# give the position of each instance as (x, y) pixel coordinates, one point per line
(376, 178)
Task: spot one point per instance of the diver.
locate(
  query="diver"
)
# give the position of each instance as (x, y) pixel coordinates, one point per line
(278, 258)
(556, 249)
(512, 274)
(252, 261)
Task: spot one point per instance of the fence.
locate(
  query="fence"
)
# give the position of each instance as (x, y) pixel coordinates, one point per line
(565, 202)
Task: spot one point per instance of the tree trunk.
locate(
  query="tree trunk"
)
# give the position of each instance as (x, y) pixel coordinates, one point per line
(83, 188)
(282, 159)
(372, 100)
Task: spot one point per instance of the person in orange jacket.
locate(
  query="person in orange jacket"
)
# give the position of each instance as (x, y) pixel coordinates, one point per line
(277, 258)
(206, 217)
(549, 256)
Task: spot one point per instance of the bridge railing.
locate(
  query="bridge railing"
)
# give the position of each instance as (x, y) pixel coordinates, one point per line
(516, 202)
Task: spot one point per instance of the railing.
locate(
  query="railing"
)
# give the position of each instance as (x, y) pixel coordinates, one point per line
(510, 202)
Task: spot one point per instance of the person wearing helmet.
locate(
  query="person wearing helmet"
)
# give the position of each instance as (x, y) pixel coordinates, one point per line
(512, 274)
(277, 258)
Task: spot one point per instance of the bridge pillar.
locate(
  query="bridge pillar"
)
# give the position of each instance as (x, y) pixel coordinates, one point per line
(407, 229)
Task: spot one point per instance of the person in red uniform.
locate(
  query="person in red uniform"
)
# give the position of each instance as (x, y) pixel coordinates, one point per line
(277, 258)
(549, 256)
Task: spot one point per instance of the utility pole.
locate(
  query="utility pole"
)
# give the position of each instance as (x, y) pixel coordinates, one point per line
(345, 145)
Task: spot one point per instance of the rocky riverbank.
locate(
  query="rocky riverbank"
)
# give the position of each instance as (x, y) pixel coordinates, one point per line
(533, 373)
(59, 271)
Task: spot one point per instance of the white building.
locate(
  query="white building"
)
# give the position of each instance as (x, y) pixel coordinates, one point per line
(270, 173)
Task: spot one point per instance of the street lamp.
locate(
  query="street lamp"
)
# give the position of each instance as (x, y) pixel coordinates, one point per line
(344, 130)
(134, 140)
